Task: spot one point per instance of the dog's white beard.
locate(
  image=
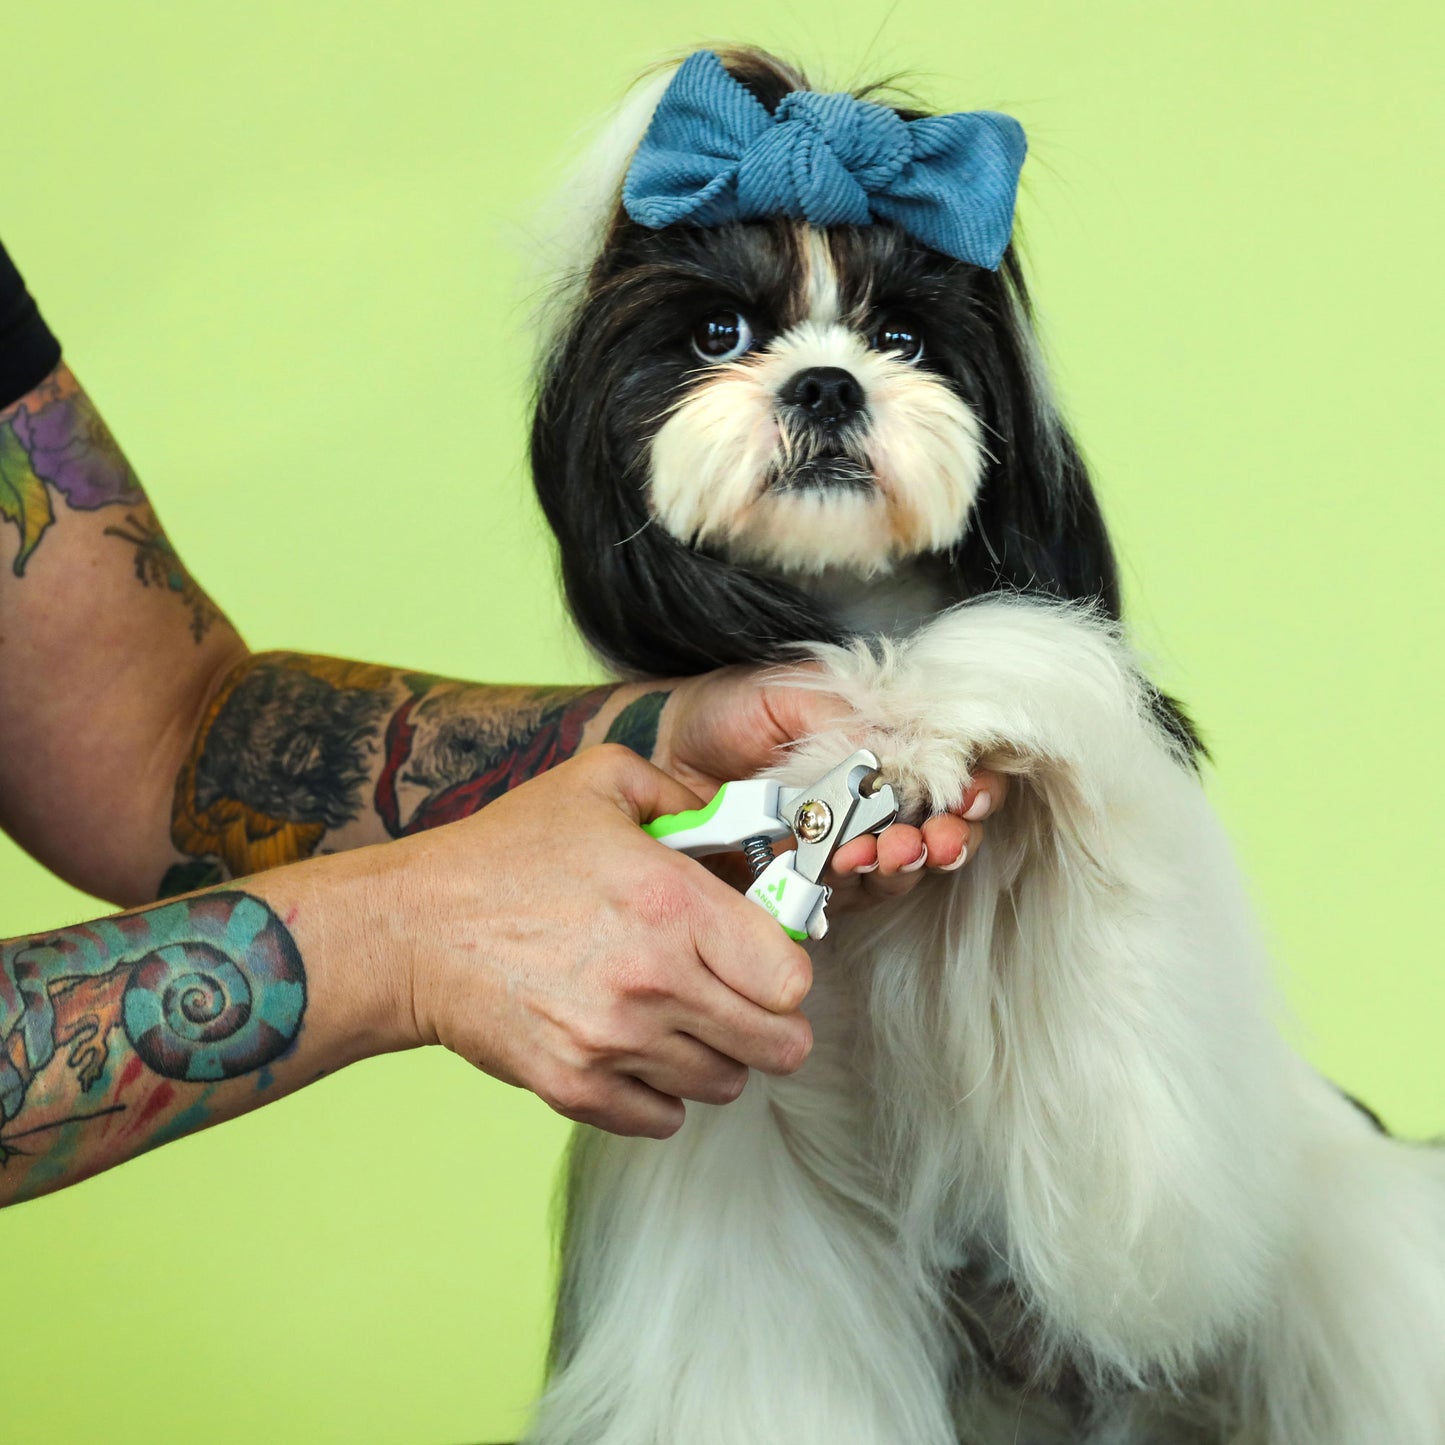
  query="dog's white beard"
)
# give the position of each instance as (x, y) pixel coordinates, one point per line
(921, 452)
(1057, 1072)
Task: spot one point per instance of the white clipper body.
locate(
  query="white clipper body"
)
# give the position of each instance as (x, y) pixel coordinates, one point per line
(752, 814)
(796, 902)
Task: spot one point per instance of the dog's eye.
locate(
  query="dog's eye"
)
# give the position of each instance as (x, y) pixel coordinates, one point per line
(723, 336)
(899, 337)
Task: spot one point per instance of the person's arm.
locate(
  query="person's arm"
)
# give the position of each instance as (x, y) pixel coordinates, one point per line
(547, 939)
(144, 751)
(612, 989)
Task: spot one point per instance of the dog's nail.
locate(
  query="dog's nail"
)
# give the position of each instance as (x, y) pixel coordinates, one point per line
(956, 864)
(917, 863)
(978, 807)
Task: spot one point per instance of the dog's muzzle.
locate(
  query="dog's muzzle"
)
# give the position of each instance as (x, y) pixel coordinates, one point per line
(824, 410)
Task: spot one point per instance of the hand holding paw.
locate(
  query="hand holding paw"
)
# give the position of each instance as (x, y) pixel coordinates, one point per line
(870, 869)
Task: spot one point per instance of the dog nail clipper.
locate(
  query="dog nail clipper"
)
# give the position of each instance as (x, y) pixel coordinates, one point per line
(749, 816)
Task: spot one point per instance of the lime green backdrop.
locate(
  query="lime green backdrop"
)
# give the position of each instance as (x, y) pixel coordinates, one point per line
(284, 245)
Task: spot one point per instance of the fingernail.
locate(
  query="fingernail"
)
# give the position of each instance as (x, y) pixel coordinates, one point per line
(978, 807)
(956, 864)
(866, 867)
(917, 863)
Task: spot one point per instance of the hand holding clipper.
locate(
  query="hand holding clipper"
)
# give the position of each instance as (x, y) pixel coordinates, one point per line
(752, 814)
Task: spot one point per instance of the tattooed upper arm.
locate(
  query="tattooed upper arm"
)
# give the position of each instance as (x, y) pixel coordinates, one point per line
(53, 437)
(285, 755)
(157, 565)
(55, 449)
(107, 651)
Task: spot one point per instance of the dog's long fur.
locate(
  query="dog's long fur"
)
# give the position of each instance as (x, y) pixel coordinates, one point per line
(1051, 1172)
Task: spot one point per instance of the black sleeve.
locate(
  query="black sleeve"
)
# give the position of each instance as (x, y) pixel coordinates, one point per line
(28, 351)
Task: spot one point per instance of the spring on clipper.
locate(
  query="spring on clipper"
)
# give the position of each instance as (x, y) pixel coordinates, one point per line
(759, 855)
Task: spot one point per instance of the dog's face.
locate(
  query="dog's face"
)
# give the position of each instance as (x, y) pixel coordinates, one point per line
(730, 411)
(814, 388)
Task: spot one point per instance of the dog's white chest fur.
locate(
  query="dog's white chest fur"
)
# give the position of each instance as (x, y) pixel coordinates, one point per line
(1051, 1174)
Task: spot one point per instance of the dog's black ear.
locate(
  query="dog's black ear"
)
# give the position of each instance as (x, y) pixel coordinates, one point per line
(647, 604)
(1036, 526)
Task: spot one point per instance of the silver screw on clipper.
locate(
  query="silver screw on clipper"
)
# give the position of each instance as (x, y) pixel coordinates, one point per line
(812, 820)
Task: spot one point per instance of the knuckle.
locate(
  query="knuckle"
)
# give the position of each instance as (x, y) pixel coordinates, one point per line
(660, 896)
(661, 1128)
(589, 1043)
(603, 1034)
(574, 1097)
(720, 1086)
(644, 979)
(591, 765)
(608, 770)
(795, 983)
(612, 758)
(793, 1049)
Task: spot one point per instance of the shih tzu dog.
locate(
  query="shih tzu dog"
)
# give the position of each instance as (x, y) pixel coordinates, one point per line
(1051, 1173)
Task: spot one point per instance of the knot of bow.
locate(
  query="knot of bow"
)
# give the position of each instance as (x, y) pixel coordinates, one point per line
(712, 153)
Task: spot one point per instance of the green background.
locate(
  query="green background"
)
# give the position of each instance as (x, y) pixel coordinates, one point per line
(287, 249)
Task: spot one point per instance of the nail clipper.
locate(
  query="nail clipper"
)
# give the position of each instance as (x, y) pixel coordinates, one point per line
(750, 815)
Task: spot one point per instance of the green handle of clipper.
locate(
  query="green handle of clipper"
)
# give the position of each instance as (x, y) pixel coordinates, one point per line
(670, 824)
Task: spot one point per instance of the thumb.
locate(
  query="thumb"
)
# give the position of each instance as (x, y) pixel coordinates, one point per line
(797, 712)
(639, 790)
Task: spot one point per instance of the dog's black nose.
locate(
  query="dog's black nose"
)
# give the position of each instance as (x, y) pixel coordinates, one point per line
(827, 393)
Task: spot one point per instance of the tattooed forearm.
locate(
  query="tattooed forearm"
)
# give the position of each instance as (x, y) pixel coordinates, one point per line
(281, 758)
(300, 754)
(455, 748)
(102, 1027)
(636, 725)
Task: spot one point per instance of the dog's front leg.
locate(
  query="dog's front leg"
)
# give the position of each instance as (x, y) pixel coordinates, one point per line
(1072, 1038)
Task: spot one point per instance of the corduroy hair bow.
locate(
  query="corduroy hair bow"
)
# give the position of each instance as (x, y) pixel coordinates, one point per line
(712, 153)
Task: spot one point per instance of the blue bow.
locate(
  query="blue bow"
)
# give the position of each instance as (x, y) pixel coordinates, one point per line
(713, 154)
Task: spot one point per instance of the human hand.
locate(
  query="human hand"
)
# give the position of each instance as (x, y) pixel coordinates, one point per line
(872, 868)
(738, 721)
(549, 941)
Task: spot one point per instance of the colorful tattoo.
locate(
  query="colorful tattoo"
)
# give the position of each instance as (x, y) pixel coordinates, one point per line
(453, 749)
(23, 497)
(636, 725)
(279, 760)
(157, 565)
(202, 990)
(190, 876)
(56, 436)
(287, 749)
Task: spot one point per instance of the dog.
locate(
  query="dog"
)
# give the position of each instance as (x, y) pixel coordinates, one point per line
(1051, 1172)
